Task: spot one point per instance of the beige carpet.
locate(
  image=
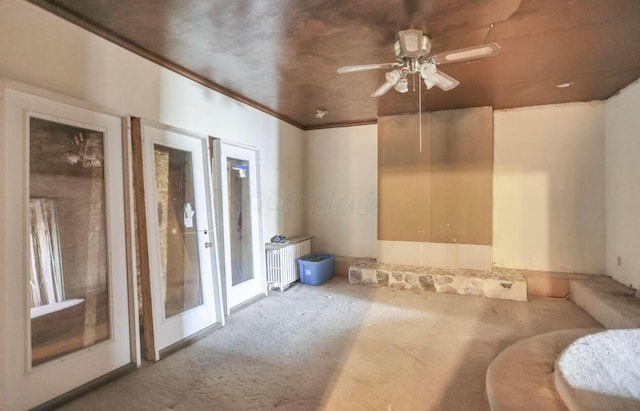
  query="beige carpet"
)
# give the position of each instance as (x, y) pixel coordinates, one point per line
(341, 347)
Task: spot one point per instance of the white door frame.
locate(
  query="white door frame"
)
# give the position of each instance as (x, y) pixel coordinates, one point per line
(169, 331)
(258, 286)
(23, 386)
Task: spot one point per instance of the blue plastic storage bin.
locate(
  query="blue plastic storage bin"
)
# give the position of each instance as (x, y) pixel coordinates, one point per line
(316, 268)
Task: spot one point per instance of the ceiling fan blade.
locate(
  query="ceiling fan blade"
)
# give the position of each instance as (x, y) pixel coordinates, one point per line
(392, 78)
(444, 81)
(363, 67)
(469, 53)
(437, 78)
(383, 89)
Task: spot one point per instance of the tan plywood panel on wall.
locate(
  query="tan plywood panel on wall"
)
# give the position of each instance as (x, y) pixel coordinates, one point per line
(404, 182)
(462, 176)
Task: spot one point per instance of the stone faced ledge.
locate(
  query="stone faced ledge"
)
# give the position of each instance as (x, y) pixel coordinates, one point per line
(507, 285)
(507, 290)
(364, 271)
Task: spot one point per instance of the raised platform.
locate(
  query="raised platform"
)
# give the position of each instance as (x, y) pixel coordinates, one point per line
(503, 284)
(526, 375)
(521, 376)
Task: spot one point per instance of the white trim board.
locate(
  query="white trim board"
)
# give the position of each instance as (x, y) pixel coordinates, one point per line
(468, 256)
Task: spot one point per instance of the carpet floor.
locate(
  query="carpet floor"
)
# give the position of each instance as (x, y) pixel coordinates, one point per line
(341, 347)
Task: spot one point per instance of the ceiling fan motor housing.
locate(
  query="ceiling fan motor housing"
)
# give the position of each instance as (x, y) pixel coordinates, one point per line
(412, 44)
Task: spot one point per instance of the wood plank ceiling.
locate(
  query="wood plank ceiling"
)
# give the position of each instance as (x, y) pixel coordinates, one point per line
(281, 56)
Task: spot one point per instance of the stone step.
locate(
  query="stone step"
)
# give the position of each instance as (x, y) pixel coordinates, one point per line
(504, 284)
(600, 372)
(521, 376)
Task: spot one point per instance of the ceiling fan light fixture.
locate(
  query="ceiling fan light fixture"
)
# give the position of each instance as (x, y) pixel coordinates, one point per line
(393, 77)
(428, 73)
(428, 69)
(402, 86)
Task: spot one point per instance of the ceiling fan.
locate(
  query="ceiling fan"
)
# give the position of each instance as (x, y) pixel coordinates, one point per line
(413, 56)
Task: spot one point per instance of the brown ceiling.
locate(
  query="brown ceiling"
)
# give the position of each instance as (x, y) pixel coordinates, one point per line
(281, 55)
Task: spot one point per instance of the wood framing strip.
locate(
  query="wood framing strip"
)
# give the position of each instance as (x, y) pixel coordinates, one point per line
(149, 350)
(130, 227)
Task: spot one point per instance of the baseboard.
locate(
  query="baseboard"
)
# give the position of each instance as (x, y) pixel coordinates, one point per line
(86, 388)
(189, 340)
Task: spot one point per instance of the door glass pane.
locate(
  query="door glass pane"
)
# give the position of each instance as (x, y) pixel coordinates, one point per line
(240, 221)
(68, 270)
(177, 227)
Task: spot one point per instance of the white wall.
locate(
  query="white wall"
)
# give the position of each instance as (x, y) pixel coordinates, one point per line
(445, 255)
(342, 190)
(549, 188)
(41, 49)
(622, 125)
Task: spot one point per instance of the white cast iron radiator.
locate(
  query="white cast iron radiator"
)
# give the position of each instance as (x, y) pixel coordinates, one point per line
(282, 267)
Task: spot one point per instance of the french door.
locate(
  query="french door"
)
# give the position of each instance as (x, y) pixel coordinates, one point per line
(243, 250)
(184, 282)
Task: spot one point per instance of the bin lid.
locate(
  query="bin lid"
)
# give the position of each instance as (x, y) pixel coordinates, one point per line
(315, 257)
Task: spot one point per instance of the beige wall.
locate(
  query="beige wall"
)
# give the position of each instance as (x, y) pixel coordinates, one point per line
(549, 188)
(622, 125)
(341, 190)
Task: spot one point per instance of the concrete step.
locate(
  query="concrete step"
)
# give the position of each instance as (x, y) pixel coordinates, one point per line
(609, 302)
(521, 376)
(505, 284)
(550, 283)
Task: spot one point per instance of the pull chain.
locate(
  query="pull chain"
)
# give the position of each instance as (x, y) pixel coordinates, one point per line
(420, 111)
